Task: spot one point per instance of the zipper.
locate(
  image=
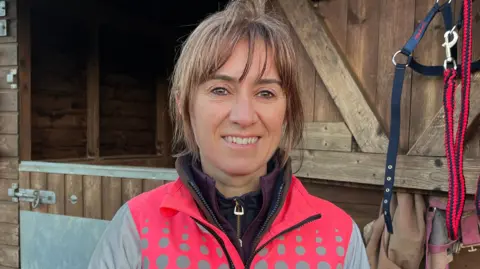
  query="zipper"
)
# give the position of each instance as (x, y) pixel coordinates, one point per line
(220, 241)
(298, 225)
(239, 212)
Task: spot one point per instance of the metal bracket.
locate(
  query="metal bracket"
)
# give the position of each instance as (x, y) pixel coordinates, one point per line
(12, 78)
(35, 197)
(3, 27)
(3, 8)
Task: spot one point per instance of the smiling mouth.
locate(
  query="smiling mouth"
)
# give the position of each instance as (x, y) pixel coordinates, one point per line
(241, 140)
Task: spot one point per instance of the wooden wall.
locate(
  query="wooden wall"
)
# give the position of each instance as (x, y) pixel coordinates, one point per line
(61, 75)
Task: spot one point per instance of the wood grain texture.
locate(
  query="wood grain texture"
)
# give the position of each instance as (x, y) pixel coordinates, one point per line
(93, 95)
(327, 136)
(74, 189)
(431, 141)
(336, 75)
(9, 212)
(8, 100)
(9, 256)
(92, 199)
(9, 123)
(412, 172)
(9, 234)
(111, 196)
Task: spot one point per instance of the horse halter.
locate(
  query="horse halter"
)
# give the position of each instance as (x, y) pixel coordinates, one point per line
(450, 70)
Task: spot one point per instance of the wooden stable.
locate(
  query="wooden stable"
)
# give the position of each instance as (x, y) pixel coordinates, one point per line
(83, 107)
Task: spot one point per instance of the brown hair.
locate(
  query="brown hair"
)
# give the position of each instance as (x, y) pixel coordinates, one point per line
(210, 45)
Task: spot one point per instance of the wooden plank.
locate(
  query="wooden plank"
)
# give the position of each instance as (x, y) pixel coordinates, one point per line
(9, 168)
(9, 234)
(362, 43)
(412, 172)
(397, 19)
(11, 17)
(9, 256)
(162, 130)
(336, 75)
(9, 145)
(8, 123)
(93, 97)
(24, 80)
(74, 186)
(130, 188)
(8, 54)
(24, 183)
(8, 100)
(431, 141)
(327, 136)
(150, 184)
(56, 183)
(112, 196)
(92, 199)
(9, 212)
(4, 71)
(427, 92)
(5, 184)
(334, 13)
(38, 181)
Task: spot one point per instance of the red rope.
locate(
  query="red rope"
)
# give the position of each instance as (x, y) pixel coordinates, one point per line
(454, 146)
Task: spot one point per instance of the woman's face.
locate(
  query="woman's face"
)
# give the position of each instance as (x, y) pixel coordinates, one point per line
(238, 125)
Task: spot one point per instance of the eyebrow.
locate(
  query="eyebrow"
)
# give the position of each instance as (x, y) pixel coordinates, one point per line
(260, 81)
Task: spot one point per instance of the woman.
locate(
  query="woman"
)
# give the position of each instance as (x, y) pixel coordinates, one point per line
(236, 104)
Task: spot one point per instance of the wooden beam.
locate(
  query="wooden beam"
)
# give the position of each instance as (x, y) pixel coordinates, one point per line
(336, 75)
(93, 96)
(431, 141)
(24, 76)
(333, 136)
(412, 172)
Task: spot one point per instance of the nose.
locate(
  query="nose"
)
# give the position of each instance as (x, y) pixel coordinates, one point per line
(243, 111)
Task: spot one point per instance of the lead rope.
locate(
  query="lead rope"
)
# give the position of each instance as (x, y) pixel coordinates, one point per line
(454, 146)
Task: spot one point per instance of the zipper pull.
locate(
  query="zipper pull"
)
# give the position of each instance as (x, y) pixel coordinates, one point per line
(238, 211)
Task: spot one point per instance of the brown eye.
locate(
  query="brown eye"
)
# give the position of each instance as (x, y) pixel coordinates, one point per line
(266, 94)
(220, 91)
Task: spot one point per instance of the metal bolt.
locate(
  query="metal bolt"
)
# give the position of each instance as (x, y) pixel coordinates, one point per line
(389, 178)
(73, 199)
(390, 166)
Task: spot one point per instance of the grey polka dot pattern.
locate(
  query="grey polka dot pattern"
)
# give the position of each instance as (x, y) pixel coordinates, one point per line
(219, 252)
(224, 266)
(146, 220)
(204, 239)
(323, 265)
(302, 265)
(316, 231)
(203, 265)
(167, 223)
(338, 238)
(166, 230)
(186, 227)
(162, 261)
(146, 263)
(340, 251)
(185, 237)
(281, 265)
(144, 230)
(261, 265)
(336, 230)
(204, 250)
(321, 251)
(339, 266)
(163, 242)
(281, 237)
(263, 252)
(144, 243)
(183, 262)
(318, 240)
(184, 247)
(281, 249)
(300, 250)
(299, 238)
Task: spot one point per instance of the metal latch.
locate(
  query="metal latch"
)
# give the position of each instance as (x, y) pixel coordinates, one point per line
(3, 8)
(3, 27)
(35, 197)
(12, 78)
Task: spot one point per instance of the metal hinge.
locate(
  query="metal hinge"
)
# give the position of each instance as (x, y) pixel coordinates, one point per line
(35, 197)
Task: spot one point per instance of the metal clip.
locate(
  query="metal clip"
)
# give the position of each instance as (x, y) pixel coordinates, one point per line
(449, 44)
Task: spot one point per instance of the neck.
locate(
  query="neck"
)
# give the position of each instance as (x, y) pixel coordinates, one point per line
(235, 185)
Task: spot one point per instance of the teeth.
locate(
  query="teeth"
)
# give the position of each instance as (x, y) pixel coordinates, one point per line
(241, 141)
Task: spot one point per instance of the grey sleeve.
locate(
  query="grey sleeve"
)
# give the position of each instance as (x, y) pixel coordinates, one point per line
(356, 257)
(119, 245)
